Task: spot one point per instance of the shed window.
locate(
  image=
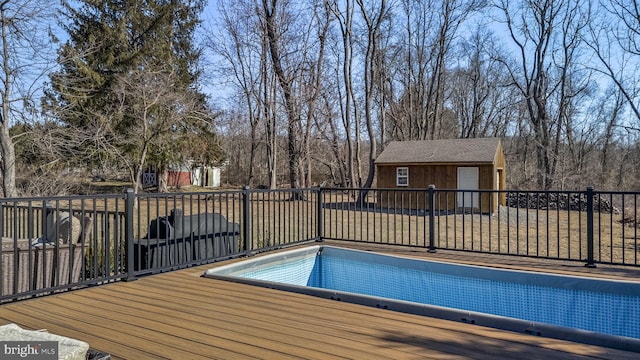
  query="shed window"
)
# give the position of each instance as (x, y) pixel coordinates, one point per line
(402, 176)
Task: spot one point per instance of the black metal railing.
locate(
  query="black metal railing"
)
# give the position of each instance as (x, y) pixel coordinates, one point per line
(83, 248)
(590, 226)
(124, 236)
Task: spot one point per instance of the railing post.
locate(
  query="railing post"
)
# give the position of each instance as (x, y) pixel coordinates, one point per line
(590, 261)
(130, 199)
(30, 221)
(246, 219)
(319, 216)
(432, 218)
(46, 207)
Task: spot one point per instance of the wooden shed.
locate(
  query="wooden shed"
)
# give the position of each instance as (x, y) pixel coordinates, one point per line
(454, 164)
(179, 175)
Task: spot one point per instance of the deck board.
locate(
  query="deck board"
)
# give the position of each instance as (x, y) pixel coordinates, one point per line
(181, 315)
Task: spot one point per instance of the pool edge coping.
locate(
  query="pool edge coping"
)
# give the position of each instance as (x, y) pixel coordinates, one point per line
(434, 311)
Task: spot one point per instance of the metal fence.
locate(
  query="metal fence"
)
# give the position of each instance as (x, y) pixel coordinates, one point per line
(590, 226)
(123, 236)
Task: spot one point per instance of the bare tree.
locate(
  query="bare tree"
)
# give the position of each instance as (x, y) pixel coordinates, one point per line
(609, 113)
(615, 40)
(269, 98)
(329, 133)
(297, 63)
(26, 57)
(349, 110)
(314, 80)
(243, 45)
(373, 20)
(41, 159)
(478, 89)
(244, 57)
(430, 30)
(547, 36)
(396, 73)
(156, 116)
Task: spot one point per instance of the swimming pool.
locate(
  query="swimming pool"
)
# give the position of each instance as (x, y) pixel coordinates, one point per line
(593, 311)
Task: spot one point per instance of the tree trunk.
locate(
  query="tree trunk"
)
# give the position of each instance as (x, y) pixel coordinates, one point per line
(8, 162)
(348, 106)
(293, 114)
(370, 74)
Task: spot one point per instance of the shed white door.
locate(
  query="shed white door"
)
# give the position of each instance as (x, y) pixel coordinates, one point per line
(468, 180)
(216, 177)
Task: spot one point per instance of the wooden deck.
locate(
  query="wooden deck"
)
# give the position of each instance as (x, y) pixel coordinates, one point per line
(180, 315)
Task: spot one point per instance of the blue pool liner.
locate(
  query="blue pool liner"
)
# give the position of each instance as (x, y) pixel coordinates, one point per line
(457, 292)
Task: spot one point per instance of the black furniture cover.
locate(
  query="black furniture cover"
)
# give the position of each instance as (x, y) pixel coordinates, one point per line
(180, 239)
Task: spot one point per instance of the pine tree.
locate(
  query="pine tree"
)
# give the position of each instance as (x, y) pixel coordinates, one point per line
(129, 77)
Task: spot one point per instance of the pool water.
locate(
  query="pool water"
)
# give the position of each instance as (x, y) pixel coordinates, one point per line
(584, 304)
(588, 310)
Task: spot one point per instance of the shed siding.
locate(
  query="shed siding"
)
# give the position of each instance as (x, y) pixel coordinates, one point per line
(436, 162)
(444, 177)
(178, 178)
(500, 165)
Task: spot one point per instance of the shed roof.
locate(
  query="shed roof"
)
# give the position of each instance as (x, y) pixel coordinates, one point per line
(478, 150)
